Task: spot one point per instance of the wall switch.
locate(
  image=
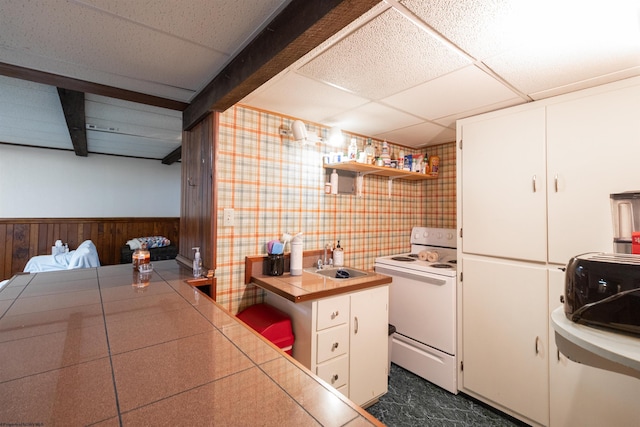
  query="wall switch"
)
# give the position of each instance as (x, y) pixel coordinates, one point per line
(227, 217)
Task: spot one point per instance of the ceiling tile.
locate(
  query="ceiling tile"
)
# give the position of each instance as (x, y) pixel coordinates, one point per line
(479, 27)
(295, 95)
(450, 121)
(371, 119)
(388, 55)
(234, 21)
(420, 135)
(457, 92)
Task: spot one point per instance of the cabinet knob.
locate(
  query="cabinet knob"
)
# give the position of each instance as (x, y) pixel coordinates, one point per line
(334, 346)
(334, 378)
(334, 314)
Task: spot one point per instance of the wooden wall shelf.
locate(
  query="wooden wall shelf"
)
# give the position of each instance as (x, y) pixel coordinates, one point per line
(365, 169)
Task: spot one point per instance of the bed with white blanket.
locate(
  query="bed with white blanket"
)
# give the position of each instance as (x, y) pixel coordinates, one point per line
(85, 256)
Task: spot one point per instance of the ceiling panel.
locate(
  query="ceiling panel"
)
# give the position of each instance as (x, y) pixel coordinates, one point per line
(457, 92)
(34, 117)
(298, 96)
(388, 55)
(420, 135)
(373, 118)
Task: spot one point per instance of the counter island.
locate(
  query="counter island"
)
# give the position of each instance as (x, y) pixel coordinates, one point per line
(85, 346)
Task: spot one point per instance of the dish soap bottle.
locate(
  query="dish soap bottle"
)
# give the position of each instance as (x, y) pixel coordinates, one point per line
(338, 256)
(197, 263)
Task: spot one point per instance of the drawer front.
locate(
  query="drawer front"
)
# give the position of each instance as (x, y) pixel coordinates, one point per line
(332, 343)
(335, 372)
(332, 312)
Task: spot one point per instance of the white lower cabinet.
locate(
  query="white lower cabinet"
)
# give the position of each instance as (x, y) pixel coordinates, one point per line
(582, 395)
(343, 340)
(504, 336)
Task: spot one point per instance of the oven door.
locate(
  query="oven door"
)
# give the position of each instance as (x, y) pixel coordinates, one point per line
(422, 306)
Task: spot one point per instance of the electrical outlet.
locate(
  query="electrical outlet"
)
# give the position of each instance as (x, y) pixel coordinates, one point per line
(227, 217)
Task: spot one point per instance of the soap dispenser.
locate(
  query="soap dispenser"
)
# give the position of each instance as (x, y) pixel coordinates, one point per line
(338, 256)
(197, 263)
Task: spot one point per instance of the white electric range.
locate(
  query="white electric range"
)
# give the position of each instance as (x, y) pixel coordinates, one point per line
(422, 305)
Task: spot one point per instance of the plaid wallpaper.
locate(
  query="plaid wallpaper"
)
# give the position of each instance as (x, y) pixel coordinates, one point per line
(276, 185)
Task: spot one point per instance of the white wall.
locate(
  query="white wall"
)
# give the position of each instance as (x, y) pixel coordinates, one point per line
(43, 183)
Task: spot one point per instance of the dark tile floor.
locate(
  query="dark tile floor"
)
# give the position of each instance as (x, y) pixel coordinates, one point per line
(413, 401)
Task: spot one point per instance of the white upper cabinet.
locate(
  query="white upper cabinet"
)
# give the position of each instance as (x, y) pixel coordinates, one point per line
(503, 177)
(593, 146)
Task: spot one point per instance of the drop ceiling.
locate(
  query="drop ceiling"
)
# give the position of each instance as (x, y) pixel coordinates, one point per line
(405, 71)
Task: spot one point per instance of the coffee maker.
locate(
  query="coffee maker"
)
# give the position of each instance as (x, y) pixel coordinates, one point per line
(625, 211)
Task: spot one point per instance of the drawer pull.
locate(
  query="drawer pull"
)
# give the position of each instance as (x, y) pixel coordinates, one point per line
(334, 346)
(334, 378)
(334, 314)
(355, 321)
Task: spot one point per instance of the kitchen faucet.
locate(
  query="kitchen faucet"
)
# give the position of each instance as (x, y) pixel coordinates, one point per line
(324, 262)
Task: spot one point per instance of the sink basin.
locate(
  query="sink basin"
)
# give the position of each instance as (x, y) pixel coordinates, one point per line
(339, 273)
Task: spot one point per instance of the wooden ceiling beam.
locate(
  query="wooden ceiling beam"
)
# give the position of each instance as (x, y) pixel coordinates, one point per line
(173, 157)
(300, 27)
(88, 87)
(73, 107)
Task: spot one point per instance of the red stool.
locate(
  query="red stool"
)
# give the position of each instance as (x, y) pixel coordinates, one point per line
(271, 323)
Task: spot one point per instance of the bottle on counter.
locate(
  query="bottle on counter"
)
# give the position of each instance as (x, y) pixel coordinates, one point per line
(296, 256)
(197, 263)
(338, 256)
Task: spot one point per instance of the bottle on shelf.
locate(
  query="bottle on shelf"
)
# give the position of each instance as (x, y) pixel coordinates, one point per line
(384, 155)
(334, 182)
(353, 150)
(370, 151)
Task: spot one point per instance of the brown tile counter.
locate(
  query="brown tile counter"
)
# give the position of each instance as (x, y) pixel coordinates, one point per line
(83, 347)
(309, 286)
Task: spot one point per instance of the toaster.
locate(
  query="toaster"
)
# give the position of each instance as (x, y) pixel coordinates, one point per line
(604, 290)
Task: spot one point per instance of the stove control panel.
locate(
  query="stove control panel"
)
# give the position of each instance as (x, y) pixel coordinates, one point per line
(445, 237)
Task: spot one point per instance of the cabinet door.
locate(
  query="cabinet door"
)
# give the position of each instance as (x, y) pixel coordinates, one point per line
(503, 185)
(593, 151)
(369, 345)
(582, 395)
(504, 315)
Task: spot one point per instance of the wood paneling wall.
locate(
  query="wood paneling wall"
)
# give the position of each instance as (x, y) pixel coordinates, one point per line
(20, 239)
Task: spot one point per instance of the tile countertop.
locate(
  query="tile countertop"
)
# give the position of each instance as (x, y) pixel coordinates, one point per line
(81, 347)
(311, 286)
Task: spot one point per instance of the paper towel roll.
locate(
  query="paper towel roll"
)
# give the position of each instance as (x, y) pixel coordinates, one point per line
(433, 256)
(422, 255)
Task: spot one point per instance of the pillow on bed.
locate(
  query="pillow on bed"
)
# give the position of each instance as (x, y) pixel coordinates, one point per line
(151, 241)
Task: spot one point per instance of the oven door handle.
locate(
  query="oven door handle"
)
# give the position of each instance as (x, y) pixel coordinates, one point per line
(390, 271)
